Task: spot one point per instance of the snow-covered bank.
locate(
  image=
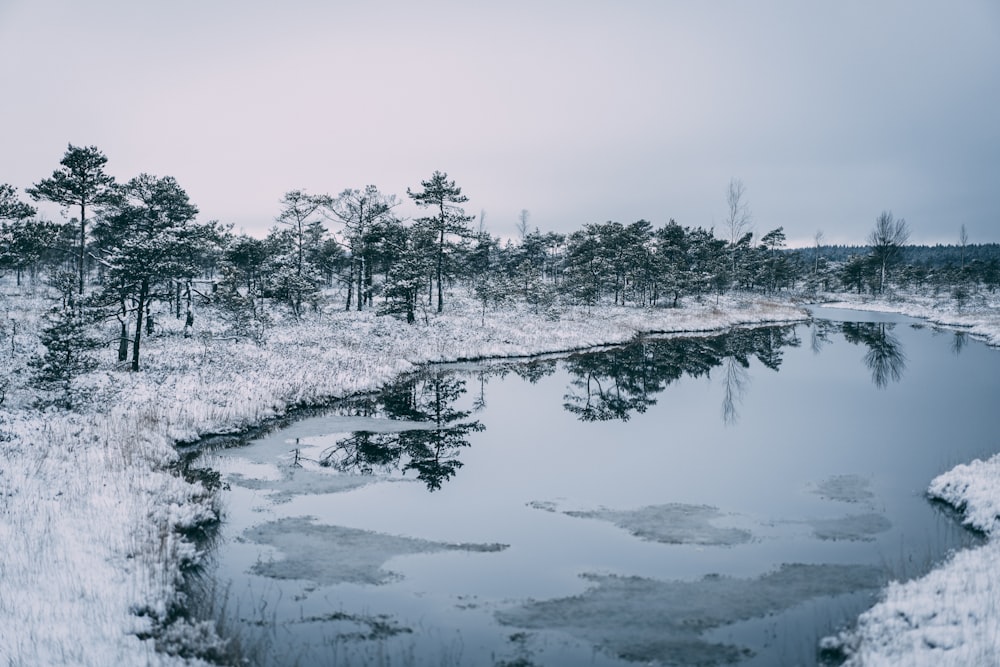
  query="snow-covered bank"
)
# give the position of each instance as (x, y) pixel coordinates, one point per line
(93, 517)
(951, 616)
(979, 315)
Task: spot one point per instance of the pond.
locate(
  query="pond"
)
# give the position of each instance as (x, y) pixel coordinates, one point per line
(681, 500)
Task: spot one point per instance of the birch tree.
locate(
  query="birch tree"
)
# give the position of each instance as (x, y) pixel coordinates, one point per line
(886, 241)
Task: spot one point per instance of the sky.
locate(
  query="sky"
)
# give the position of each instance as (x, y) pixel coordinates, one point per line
(576, 111)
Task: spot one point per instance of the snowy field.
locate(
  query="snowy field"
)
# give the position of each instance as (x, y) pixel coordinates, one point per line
(94, 518)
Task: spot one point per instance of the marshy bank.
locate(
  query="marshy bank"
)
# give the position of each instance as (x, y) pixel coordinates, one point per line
(709, 499)
(94, 517)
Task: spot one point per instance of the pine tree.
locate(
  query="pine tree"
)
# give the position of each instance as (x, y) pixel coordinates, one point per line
(149, 240)
(68, 343)
(366, 215)
(81, 183)
(441, 194)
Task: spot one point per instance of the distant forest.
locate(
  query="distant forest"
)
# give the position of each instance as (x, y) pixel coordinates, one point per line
(931, 256)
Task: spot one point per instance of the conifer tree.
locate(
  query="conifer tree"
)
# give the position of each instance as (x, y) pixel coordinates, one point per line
(366, 216)
(82, 183)
(68, 343)
(443, 195)
(149, 240)
(11, 208)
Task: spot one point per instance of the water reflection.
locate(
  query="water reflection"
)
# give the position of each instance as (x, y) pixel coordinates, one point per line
(432, 452)
(605, 385)
(959, 342)
(615, 384)
(885, 356)
(820, 334)
(531, 371)
(736, 380)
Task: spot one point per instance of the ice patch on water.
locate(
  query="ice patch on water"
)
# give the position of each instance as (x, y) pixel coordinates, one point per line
(845, 488)
(331, 555)
(652, 621)
(671, 523)
(296, 482)
(855, 527)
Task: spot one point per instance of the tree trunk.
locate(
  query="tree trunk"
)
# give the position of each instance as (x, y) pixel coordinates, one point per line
(189, 319)
(83, 242)
(123, 343)
(143, 292)
(350, 285)
(411, 298)
(123, 335)
(440, 264)
(361, 282)
(369, 282)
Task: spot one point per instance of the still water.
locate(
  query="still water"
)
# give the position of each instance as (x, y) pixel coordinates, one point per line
(680, 500)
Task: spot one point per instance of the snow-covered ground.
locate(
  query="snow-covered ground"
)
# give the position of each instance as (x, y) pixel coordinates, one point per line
(979, 316)
(951, 616)
(93, 516)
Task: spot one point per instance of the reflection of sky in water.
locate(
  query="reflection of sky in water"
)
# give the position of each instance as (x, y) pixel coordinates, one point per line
(818, 465)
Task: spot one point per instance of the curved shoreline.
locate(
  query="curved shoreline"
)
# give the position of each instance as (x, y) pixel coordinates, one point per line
(95, 518)
(95, 514)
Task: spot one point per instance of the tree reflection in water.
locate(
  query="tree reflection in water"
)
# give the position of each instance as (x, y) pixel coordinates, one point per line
(959, 342)
(820, 332)
(605, 385)
(616, 383)
(885, 355)
(432, 451)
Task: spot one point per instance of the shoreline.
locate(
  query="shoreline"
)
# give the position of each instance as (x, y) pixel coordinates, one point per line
(97, 516)
(103, 581)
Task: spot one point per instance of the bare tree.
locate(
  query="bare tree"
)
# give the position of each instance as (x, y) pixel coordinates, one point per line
(886, 241)
(963, 240)
(522, 222)
(818, 240)
(739, 220)
(738, 216)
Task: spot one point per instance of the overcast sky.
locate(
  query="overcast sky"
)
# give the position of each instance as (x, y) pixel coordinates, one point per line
(829, 112)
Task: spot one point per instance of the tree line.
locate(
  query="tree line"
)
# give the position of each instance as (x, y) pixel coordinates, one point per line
(128, 247)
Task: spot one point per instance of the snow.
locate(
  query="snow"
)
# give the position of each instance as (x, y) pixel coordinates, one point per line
(980, 316)
(971, 488)
(95, 518)
(951, 616)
